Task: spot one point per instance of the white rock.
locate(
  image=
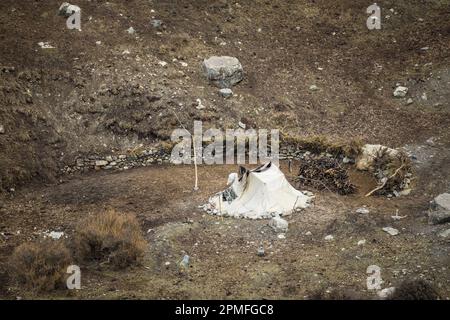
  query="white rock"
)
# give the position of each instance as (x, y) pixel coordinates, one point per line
(400, 92)
(162, 63)
(67, 9)
(386, 292)
(308, 233)
(55, 235)
(362, 210)
(391, 231)
(279, 224)
(131, 30)
(226, 92)
(409, 101)
(2, 129)
(45, 45)
(101, 163)
(445, 233)
(329, 237)
(241, 125)
(440, 209)
(281, 236)
(361, 242)
(313, 87)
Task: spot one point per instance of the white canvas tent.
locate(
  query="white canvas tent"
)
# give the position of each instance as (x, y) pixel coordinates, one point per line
(260, 193)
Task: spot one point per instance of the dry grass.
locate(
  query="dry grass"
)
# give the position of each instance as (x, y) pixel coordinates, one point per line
(112, 238)
(318, 144)
(40, 266)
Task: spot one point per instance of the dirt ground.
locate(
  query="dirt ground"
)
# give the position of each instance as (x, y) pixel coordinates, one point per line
(224, 262)
(86, 97)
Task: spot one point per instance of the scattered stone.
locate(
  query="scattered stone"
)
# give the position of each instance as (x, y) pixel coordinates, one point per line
(279, 225)
(424, 96)
(329, 237)
(55, 235)
(242, 125)
(347, 160)
(400, 92)
(2, 129)
(308, 233)
(440, 209)
(226, 92)
(261, 252)
(445, 233)
(156, 23)
(167, 263)
(362, 210)
(409, 101)
(313, 87)
(45, 45)
(361, 242)
(101, 163)
(281, 236)
(131, 30)
(223, 71)
(391, 231)
(386, 292)
(162, 63)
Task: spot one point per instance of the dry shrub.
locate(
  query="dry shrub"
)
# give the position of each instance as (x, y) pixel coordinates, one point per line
(397, 168)
(325, 173)
(111, 238)
(415, 290)
(40, 266)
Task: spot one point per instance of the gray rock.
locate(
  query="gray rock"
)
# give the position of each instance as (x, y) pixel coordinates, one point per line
(440, 209)
(362, 210)
(156, 23)
(400, 92)
(329, 237)
(409, 101)
(279, 225)
(131, 30)
(391, 231)
(313, 87)
(226, 92)
(101, 163)
(445, 233)
(223, 71)
(261, 252)
(2, 129)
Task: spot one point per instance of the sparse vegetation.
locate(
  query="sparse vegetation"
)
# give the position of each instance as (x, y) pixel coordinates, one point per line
(111, 238)
(415, 290)
(40, 266)
(318, 144)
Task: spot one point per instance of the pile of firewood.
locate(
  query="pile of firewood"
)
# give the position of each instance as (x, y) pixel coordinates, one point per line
(324, 173)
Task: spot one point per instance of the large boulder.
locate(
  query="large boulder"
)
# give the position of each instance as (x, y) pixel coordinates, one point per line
(223, 71)
(440, 209)
(369, 153)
